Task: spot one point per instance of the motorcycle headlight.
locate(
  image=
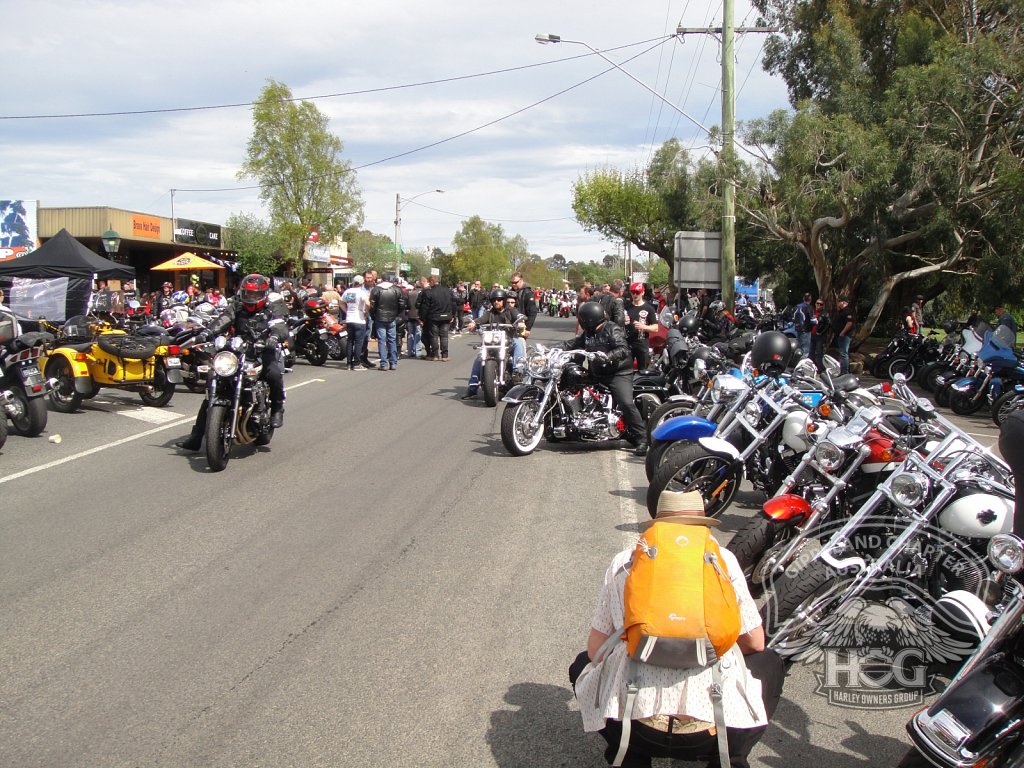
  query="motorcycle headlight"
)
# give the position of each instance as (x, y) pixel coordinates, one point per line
(1006, 552)
(909, 489)
(488, 337)
(699, 367)
(225, 363)
(538, 365)
(828, 455)
(220, 342)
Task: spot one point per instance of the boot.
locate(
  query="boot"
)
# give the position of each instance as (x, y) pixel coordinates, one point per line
(193, 442)
(277, 418)
(641, 447)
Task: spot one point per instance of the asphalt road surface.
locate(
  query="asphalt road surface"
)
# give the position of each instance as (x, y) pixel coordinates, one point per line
(381, 586)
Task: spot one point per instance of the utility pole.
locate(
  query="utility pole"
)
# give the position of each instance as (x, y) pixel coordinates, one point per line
(726, 161)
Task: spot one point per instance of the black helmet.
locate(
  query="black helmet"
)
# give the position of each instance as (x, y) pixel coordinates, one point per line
(797, 352)
(499, 294)
(688, 325)
(590, 315)
(771, 352)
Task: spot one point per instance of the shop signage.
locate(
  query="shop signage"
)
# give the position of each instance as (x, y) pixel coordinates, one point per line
(191, 232)
(147, 227)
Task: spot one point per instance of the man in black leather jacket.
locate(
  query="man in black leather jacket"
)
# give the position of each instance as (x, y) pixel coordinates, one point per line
(615, 370)
(249, 315)
(387, 302)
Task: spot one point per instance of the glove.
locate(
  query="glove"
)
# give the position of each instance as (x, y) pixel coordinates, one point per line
(272, 342)
(601, 356)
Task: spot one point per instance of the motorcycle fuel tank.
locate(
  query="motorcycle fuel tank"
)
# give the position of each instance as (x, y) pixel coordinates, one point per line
(978, 515)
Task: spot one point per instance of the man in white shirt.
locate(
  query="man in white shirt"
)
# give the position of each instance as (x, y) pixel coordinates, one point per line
(673, 715)
(356, 301)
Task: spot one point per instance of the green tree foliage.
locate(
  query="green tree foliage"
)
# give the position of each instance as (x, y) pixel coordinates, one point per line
(369, 250)
(483, 252)
(256, 242)
(900, 170)
(297, 161)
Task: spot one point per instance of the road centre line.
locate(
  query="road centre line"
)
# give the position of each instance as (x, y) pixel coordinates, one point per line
(122, 441)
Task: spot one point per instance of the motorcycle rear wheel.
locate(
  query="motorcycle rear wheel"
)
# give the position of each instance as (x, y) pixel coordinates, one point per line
(903, 365)
(1007, 403)
(489, 382)
(517, 435)
(751, 542)
(692, 467)
(218, 437)
(335, 348)
(162, 392)
(647, 403)
(63, 396)
(315, 352)
(31, 418)
(926, 377)
(666, 411)
(942, 395)
(3, 432)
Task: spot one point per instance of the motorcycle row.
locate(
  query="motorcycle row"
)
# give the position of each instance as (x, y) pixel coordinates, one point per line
(887, 530)
(70, 362)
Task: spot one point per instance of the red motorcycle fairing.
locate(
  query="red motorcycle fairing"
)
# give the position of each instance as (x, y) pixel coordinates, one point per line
(788, 507)
(884, 456)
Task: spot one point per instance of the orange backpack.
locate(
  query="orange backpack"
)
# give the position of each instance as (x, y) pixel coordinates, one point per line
(680, 606)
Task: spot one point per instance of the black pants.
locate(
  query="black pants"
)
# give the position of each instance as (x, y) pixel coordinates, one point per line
(621, 385)
(646, 743)
(435, 337)
(641, 351)
(273, 374)
(1011, 445)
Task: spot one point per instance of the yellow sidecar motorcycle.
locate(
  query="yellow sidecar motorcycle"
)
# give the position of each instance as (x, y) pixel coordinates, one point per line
(91, 353)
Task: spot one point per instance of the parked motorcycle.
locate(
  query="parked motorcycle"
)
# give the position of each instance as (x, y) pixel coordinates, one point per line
(21, 383)
(239, 409)
(969, 394)
(926, 525)
(559, 402)
(309, 336)
(976, 720)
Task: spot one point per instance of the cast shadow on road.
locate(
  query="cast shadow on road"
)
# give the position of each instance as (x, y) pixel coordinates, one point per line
(197, 459)
(788, 744)
(540, 729)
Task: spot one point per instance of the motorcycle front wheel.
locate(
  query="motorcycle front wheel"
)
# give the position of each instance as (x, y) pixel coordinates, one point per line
(1007, 403)
(489, 382)
(31, 417)
(751, 542)
(162, 391)
(796, 605)
(518, 434)
(665, 411)
(218, 437)
(3, 431)
(902, 365)
(691, 467)
(926, 377)
(965, 405)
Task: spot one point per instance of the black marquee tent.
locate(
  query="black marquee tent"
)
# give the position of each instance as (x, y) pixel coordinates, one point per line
(55, 280)
(63, 256)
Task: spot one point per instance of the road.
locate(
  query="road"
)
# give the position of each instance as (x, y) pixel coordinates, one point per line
(382, 585)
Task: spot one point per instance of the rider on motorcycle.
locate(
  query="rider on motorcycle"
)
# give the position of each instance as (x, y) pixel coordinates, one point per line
(250, 315)
(615, 370)
(499, 312)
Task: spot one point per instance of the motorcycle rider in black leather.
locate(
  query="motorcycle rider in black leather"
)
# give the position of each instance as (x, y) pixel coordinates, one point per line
(615, 370)
(250, 315)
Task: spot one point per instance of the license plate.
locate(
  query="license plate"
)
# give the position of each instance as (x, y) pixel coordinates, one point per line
(172, 362)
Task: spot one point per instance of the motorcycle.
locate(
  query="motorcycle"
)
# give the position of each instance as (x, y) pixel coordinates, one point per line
(91, 353)
(337, 337)
(968, 395)
(976, 720)
(496, 372)
(558, 402)
(924, 526)
(238, 409)
(21, 383)
(310, 333)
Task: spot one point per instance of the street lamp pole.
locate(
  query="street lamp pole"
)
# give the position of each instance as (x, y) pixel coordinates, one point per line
(399, 201)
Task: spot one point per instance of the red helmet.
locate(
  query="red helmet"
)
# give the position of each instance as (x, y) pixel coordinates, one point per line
(315, 307)
(253, 292)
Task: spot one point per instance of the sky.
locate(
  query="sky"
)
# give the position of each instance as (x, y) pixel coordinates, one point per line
(426, 95)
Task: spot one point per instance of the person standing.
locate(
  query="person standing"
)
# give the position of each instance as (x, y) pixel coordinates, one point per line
(476, 300)
(641, 323)
(844, 333)
(413, 326)
(802, 324)
(460, 300)
(610, 299)
(436, 312)
(524, 297)
(820, 324)
(918, 309)
(369, 280)
(386, 304)
(1005, 318)
(356, 302)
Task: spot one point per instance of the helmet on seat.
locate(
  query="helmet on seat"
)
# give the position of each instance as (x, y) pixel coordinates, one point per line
(771, 352)
(499, 294)
(590, 315)
(179, 297)
(253, 293)
(688, 325)
(315, 307)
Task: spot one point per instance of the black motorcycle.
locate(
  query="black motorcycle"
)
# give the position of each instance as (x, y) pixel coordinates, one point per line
(559, 402)
(21, 383)
(238, 400)
(310, 333)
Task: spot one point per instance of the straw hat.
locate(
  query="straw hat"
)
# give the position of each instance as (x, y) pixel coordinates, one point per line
(687, 508)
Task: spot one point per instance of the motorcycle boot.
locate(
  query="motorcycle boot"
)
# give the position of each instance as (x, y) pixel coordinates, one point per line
(277, 417)
(195, 439)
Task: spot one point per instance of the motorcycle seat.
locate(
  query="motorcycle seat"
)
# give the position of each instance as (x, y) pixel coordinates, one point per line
(846, 383)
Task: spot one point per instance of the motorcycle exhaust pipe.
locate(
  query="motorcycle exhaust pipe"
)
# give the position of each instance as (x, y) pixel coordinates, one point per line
(7, 400)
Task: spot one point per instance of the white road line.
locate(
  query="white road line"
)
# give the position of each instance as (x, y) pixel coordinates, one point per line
(131, 438)
(627, 507)
(150, 414)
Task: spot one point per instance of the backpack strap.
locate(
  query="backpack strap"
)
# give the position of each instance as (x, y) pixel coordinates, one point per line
(632, 689)
(716, 700)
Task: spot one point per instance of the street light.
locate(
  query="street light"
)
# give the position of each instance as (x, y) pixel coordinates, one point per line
(111, 242)
(399, 201)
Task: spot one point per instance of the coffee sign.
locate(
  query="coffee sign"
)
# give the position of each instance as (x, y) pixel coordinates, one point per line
(197, 233)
